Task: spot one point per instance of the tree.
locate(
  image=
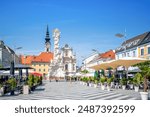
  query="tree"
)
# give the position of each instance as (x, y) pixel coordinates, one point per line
(145, 71)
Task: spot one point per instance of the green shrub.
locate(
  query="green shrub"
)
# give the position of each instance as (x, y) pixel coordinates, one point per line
(30, 81)
(96, 81)
(12, 83)
(109, 80)
(137, 80)
(123, 81)
(102, 80)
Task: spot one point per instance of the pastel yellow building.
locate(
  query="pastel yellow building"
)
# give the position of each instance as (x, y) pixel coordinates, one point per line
(40, 63)
(144, 47)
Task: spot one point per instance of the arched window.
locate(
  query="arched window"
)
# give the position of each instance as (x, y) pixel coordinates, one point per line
(66, 67)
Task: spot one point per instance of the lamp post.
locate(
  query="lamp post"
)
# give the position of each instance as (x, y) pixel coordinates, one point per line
(83, 62)
(94, 50)
(15, 49)
(119, 35)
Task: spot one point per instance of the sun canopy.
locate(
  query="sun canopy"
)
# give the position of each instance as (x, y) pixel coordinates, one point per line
(17, 66)
(127, 62)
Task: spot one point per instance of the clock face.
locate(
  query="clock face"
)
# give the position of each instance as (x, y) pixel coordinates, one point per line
(47, 45)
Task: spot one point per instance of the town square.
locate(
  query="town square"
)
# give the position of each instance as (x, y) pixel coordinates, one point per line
(79, 50)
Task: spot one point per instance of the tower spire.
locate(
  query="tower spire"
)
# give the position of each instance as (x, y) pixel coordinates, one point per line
(47, 41)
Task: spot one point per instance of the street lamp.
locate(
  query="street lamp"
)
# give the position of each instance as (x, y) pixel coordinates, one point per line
(15, 49)
(84, 62)
(94, 50)
(119, 35)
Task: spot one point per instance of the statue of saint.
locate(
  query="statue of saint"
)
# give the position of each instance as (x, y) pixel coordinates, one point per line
(56, 33)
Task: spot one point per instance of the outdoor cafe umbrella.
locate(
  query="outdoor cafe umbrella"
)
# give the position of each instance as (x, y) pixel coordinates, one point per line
(103, 65)
(126, 62)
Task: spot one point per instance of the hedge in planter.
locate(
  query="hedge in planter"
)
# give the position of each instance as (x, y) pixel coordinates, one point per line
(145, 72)
(102, 80)
(137, 79)
(109, 80)
(30, 82)
(12, 83)
(123, 81)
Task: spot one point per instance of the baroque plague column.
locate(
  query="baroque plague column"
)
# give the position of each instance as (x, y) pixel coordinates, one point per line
(56, 66)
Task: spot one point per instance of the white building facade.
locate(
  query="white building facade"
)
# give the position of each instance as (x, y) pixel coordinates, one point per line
(129, 48)
(7, 55)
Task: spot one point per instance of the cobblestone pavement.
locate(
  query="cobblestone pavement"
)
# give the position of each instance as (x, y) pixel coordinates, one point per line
(74, 91)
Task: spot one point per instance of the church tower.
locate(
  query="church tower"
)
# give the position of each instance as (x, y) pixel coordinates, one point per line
(47, 41)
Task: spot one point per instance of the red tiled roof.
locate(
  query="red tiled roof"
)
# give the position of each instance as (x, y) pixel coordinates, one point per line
(108, 54)
(43, 57)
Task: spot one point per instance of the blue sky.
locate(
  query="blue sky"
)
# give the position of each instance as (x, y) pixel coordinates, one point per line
(84, 24)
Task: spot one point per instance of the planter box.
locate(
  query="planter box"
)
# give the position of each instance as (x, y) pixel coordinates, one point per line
(1, 91)
(112, 85)
(123, 87)
(90, 84)
(26, 89)
(95, 85)
(144, 95)
(108, 88)
(131, 86)
(103, 87)
(136, 88)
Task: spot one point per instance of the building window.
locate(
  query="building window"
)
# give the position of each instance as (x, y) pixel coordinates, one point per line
(66, 67)
(148, 50)
(134, 54)
(142, 51)
(117, 56)
(123, 54)
(66, 53)
(44, 65)
(34, 69)
(39, 70)
(128, 54)
(73, 68)
(44, 70)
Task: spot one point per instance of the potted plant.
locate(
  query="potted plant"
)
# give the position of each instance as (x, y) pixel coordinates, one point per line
(109, 80)
(12, 83)
(1, 89)
(102, 80)
(26, 88)
(130, 83)
(123, 82)
(30, 84)
(145, 72)
(137, 81)
(90, 81)
(95, 83)
(85, 80)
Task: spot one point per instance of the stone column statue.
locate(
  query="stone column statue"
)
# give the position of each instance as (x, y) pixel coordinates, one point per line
(56, 36)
